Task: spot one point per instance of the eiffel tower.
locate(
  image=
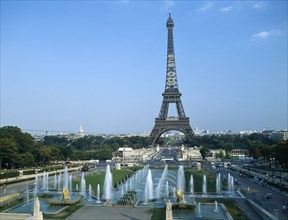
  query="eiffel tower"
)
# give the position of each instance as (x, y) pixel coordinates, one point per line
(171, 95)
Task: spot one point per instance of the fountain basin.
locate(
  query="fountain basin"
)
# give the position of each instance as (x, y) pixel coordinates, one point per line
(58, 200)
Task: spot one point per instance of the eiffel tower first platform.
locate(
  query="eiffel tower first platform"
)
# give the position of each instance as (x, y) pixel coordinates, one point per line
(171, 95)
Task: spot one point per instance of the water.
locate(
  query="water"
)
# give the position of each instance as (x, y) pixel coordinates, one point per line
(44, 180)
(204, 186)
(65, 178)
(199, 214)
(83, 185)
(108, 184)
(167, 189)
(90, 193)
(149, 187)
(70, 183)
(181, 179)
(47, 182)
(218, 184)
(174, 192)
(59, 182)
(216, 207)
(27, 195)
(230, 181)
(98, 194)
(191, 182)
(55, 182)
(35, 186)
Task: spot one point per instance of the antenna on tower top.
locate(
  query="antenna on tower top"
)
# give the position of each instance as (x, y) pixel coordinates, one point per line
(169, 12)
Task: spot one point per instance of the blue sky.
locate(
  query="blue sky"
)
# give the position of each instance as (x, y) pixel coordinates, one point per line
(102, 64)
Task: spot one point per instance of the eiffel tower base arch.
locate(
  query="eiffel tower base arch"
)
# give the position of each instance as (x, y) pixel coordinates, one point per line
(163, 125)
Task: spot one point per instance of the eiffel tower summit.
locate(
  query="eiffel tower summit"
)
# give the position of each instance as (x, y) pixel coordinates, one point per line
(171, 95)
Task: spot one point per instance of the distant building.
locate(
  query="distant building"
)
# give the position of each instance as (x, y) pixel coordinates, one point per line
(125, 151)
(81, 132)
(212, 155)
(278, 135)
(239, 153)
(191, 154)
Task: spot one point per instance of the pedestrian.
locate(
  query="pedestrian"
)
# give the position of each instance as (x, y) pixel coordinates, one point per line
(284, 207)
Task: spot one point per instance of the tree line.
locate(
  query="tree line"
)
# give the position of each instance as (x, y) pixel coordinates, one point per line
(19, 149)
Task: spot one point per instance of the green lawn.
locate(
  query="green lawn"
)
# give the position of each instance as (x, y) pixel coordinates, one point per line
(98, 178)
(231, 206)
(198, 180)
(11, 204)
(159, 214)
(64, 214)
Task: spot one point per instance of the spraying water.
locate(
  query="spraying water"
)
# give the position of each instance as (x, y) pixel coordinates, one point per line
(59, 182)
(27, 195)
(149, 187)
(65, 178)
(70, 183)
(35, 186)
(98, 194)
(191, 182)
(204, 186)
(55, 182)
(181, 179)
(90, 193)
(218, 184)
(44, 180)
(167, 189)
(82, 185)
(108, 183)
(199, 214)
(216, 207)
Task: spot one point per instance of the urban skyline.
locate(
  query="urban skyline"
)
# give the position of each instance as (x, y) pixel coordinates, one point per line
(102, 64)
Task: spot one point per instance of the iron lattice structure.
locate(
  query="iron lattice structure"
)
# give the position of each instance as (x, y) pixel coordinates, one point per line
(171, 95)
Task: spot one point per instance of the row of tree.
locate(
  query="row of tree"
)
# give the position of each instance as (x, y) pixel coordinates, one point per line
(18, 149)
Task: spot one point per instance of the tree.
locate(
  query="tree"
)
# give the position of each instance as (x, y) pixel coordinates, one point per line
(281, 153)
(202, 152)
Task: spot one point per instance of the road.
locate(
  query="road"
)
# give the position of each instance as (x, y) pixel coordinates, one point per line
(257, 193)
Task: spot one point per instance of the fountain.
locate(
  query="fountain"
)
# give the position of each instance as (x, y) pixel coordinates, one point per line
(181, 179)
(65, 178)
(108, 184)
(204, 186)
(70, 183)
(199, 210)
(36, 186)
(191, 182)
(167, 189)
(218, 184)
(82, 185)
(59, 182)
(27, 195)
(216, 207)
(148, 195)
(55, 182)
(230, 181)
(47, 182)
(90, 193)
(174, 192)
(44, 180)
(98, 194)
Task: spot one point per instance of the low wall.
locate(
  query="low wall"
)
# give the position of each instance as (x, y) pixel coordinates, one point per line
(14, 216)
(8, 197)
